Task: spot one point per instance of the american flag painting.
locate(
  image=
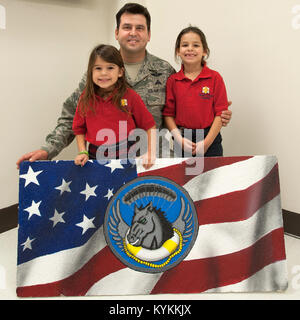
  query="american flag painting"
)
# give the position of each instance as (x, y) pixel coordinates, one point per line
(62, 249)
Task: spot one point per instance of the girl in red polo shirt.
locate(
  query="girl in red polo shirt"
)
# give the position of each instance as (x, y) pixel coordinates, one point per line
(195, 99)
(108, 108)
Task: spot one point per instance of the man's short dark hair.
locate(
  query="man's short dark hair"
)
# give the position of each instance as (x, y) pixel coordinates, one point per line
(134, 8)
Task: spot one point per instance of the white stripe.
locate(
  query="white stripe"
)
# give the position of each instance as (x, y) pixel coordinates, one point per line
(271, 278)
(212, 240)
(60, 265)
(159, 164)
(230, 178)
(125, 281)
(225, 238)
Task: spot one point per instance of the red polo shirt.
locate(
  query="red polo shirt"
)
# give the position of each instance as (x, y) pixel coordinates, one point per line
(195, 104)
(107, 116)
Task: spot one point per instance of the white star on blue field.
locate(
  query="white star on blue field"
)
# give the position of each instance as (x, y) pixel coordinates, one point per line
(61, 205)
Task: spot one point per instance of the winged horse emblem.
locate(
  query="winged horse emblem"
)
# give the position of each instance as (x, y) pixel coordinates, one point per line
(151, 237)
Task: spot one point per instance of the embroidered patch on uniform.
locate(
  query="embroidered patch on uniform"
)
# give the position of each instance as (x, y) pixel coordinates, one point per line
(154, 73)
(124, 102)
(157, 82)
(151, 224)
(205, 90)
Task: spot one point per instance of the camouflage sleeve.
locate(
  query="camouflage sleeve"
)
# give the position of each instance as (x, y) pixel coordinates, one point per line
(171, 70)
(63, 135)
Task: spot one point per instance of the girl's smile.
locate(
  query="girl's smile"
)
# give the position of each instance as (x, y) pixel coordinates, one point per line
(106, 74)
(191, 49)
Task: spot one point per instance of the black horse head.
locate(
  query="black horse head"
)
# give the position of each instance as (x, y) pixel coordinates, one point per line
(149, 227)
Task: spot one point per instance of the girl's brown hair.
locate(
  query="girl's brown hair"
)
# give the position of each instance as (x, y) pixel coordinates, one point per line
(111, 55)
(202, 38)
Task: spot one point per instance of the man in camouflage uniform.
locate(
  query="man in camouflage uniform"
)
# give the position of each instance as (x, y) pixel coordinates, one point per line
(133, 34)
(149, 84)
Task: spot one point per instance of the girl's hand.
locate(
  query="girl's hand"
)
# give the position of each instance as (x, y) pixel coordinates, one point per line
(81, 159)
(201, 148)
(148, 160)
(187, 145)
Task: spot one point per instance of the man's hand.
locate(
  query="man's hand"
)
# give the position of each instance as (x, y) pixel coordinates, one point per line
(226, 115)
(33, 156)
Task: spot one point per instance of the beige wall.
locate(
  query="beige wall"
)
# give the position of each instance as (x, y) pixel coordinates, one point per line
(254, 44)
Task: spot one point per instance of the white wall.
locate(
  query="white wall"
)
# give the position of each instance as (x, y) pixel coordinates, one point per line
(254, 44)
(43, 55)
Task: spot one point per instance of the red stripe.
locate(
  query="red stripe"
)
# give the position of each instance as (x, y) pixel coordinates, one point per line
(239, 205)
(81, 281)
(188, 277)
(200, 275)
(178, 173)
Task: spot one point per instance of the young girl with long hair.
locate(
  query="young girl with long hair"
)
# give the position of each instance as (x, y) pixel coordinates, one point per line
(106, 101)
(195, 98)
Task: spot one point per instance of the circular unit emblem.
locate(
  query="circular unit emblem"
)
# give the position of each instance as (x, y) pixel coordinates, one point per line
(151, 224)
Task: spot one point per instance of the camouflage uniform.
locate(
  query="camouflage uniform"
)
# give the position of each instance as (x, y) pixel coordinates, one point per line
(150, 84)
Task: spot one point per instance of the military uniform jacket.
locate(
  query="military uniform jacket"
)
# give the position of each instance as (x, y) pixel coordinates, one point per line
(150, 84)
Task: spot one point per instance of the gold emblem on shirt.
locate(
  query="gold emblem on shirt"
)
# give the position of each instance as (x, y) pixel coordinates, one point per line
(124, 102)
(205, 90)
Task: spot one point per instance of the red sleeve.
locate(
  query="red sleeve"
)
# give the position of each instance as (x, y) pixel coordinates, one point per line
(142, 117)
(220, 96)
(79, 124)
(170, 105)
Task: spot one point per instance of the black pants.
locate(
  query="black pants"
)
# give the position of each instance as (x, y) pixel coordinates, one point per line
(119, 150)
(215, 149)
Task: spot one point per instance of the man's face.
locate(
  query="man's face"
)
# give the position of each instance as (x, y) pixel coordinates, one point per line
(133, 34)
